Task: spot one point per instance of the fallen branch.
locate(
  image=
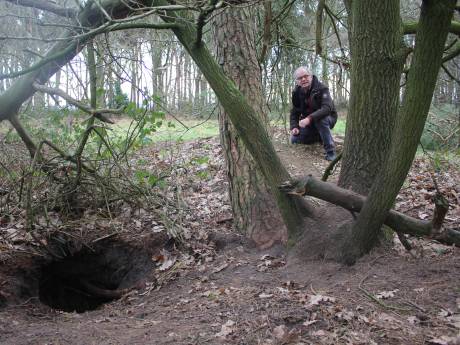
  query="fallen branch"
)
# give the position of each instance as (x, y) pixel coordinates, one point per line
(353, 202)
(376, 300)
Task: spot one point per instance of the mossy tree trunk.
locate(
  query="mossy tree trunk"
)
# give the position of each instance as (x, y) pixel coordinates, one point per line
(255, 211)
(434, 25)
(375, 74)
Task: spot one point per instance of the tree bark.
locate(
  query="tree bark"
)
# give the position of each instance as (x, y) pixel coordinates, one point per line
(375, 74)
(255, 212)
(434, 25)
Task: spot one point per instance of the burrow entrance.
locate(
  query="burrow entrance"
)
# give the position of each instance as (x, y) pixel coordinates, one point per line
(90, 278)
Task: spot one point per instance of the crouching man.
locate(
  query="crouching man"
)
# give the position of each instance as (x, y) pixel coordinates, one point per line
(313, 113)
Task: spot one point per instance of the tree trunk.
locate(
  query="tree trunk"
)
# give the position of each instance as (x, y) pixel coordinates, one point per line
(57, 86)
(255, 212)
(431, 35)
(374, 92)
(134, 72)
(197, 97)
(100, 89)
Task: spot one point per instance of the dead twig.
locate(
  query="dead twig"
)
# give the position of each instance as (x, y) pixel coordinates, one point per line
(376, 300)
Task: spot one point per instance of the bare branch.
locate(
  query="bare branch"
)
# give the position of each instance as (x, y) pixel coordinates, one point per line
(453, 53)
(411, 27)
(46, 6)
(451, 76)
(24, 135)
(201, 21)
(267, 30)
(97, 113)
(332, 16)
(319, 27)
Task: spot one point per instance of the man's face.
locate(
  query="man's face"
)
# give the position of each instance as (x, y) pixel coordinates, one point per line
(303, 79)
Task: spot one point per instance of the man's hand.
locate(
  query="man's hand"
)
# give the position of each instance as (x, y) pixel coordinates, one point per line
(295, 131)
(305, 122)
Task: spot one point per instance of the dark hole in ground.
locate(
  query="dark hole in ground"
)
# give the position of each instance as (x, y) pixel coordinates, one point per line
(89, 278)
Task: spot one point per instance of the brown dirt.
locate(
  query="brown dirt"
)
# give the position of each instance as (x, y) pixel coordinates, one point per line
(222, 290)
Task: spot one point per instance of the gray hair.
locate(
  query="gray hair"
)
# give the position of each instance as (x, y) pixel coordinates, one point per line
(302, 68)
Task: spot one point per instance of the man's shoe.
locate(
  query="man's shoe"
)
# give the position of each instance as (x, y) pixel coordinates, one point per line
(330, 156)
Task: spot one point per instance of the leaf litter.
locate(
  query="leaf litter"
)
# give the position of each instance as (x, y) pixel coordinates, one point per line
(211, 292)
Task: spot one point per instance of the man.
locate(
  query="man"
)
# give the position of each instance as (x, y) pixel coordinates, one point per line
(313, 113)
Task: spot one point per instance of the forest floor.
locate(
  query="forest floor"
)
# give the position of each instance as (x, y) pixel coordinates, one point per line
(215, 287)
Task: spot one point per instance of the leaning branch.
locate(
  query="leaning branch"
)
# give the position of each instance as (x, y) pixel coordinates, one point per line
(451, 76)
(40, 63)
(129, 26)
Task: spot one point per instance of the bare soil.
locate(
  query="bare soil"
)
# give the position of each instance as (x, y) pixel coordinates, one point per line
(218, 288)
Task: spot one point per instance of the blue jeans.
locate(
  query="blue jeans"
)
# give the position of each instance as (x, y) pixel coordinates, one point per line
(318, 131)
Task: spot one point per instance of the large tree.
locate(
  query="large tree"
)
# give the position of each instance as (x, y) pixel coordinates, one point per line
(255, 211)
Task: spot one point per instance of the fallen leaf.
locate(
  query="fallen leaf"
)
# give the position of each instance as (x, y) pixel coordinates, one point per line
(388, 321)
(167, 264)
(308, 323)
(455, 320)
(280, 332)
(226, 329)
(386, 294)
(443, 340)
(413, 320)
(318, 333)
(220, 268)
(445, 313)
(282, 290)
(317, 299)
(345, 315)
(266, 257)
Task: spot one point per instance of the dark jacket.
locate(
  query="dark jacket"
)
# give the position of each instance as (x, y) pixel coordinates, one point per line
(316, 103)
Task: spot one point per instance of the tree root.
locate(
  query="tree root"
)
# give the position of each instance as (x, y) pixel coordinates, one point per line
(99, 292)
